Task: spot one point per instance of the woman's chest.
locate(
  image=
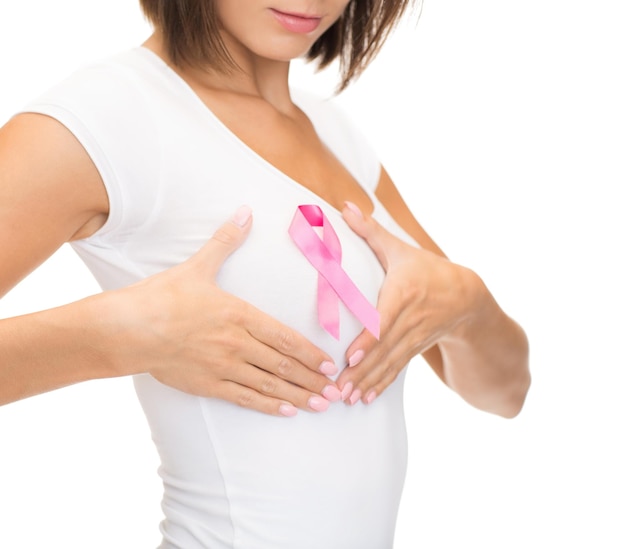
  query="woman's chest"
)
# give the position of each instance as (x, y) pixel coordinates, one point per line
(201, 181)
(291, 144)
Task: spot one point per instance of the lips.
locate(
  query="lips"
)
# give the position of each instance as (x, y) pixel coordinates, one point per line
(295, 22)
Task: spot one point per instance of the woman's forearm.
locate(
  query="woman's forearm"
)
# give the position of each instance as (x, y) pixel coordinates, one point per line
(181, 328)
(485, 359)
(51, 349)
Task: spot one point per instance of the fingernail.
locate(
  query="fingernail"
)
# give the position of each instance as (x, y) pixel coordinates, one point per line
(356, 357)
(371, 396)
(242, 216)
(328, 368)
(287, 410)
(318, 404)
(331, 393)
(347, 389)
(354, 397)
(353, 208)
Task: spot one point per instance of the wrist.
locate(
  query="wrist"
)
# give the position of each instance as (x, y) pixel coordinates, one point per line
(476, 307)
(112, 316)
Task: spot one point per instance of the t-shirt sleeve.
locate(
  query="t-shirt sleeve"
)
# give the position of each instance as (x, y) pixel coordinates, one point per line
(104, 109)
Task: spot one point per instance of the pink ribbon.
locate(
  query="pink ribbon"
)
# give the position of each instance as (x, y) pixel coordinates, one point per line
(333, 283)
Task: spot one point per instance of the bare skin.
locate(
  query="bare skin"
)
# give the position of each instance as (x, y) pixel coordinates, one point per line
(428, 305)
(39, 161)
(473, 346)
(433, 307)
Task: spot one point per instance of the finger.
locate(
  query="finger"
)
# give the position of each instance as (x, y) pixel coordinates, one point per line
(369, 394)
(376, 380)
(253, 400)
(288, 342)
(381, 369)
(351, 380)
(360, 348)
(272, 386)
(368, 229)
(288, 378)
(366, 374)
(365, 341)
(228, 238)
(396, 362)
(386, 246)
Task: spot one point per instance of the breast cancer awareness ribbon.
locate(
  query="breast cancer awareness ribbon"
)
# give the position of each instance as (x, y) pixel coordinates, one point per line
(333, 283)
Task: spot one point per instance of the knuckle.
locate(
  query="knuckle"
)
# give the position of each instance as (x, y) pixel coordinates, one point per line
(285, 341)
(269, 385)
(387, 370)
(245, 398)
(390, 374)
(230, 343)
(285, 367)
(224, 236)
(235, 313)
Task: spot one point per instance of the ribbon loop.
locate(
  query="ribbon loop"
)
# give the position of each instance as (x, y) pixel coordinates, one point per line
(333, 283)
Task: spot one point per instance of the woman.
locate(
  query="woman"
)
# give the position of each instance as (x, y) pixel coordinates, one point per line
(150, 152)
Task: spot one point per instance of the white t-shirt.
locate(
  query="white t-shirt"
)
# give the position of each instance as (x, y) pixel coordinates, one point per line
(235, 478)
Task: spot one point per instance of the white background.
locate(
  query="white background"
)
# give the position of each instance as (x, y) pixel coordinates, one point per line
(504, 125)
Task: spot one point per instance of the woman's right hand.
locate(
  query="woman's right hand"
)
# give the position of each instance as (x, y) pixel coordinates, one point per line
(191, 335)
(178, 325)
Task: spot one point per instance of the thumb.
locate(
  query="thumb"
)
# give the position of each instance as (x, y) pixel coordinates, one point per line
(228, 238)
(368, 228)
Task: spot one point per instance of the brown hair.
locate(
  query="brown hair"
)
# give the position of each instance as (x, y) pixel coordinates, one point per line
(190, 29)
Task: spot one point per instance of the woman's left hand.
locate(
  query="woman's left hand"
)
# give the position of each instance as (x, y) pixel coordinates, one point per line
(424, 297)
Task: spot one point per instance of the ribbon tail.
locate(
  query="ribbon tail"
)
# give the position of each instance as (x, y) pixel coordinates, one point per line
(327, 307)
(351, 296)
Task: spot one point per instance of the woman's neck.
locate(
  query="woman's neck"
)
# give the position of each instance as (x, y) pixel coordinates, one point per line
(256, 76)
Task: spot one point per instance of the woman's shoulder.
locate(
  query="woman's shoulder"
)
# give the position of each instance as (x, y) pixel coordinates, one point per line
(106, 106)
(114, 81)
(322, 110)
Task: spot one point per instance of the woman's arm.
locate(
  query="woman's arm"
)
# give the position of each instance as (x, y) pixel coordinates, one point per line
(177, 325)
(50, 193)
(432, 306)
